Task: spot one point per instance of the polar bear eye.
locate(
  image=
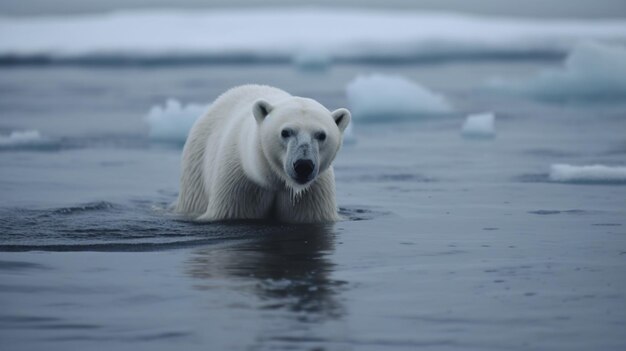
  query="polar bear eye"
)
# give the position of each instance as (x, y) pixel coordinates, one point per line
(321, 136)
(286, 133)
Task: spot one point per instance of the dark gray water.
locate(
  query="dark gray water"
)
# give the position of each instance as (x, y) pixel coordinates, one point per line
(448, 243)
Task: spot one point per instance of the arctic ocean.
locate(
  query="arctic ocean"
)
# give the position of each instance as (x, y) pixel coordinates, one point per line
(482, 184)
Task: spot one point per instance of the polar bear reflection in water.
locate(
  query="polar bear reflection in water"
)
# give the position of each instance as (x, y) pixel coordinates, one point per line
(286, 266)
(260, 153)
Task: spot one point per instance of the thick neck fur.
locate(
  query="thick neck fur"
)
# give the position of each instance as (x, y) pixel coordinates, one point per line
(260, 171)
(255, 165)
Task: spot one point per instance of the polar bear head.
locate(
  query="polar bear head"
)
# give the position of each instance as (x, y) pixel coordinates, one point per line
(299, 137)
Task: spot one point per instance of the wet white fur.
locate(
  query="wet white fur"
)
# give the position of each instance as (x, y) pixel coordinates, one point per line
(232, 165)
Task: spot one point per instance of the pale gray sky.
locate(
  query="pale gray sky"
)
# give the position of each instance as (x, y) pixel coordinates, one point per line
(524, 8)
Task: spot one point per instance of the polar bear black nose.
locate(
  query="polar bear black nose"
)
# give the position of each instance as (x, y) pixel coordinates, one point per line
(303, 168)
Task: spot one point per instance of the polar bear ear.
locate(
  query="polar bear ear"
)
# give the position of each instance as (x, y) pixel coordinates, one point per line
(261, 109)
(342, 117)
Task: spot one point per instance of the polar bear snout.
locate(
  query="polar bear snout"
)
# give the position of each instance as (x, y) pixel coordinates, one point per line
(302, 161)
(304, 170)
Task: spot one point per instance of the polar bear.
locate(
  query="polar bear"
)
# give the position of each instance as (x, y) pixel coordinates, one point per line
(261, 153)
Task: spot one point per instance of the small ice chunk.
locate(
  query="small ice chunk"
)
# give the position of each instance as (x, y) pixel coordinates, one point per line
(382, 98)
(26, 140)
(17, 138)
(311, 60)
(481, 125)
(587, 174)
(591, 71)
(348, 135)
(172, 122)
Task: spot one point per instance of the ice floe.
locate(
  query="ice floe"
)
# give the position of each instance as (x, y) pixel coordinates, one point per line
(280, 33)
(383, 98)
(172, 121)
(591, 71)
(480, 125)
(587, 174)
(27, 139)
(348, 134)
(312, 60)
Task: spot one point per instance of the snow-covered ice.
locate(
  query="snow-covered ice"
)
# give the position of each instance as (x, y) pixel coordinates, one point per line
(380, 97)
(172, 122)
(591, 71)
(587, 174)
(271, 34)
(480, 125)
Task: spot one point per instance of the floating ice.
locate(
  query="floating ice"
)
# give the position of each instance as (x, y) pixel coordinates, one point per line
(313, 60)
(481, 125)
(348, 134)
(278, 34)
(28, 139)
(380, 97)
(20, 138)
(172, 122)
(591, 71)
(587, 174)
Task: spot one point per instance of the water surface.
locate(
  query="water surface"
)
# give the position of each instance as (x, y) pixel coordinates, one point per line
(448, 243)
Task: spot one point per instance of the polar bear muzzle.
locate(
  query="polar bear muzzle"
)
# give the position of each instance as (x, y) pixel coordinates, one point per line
(302, 164)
